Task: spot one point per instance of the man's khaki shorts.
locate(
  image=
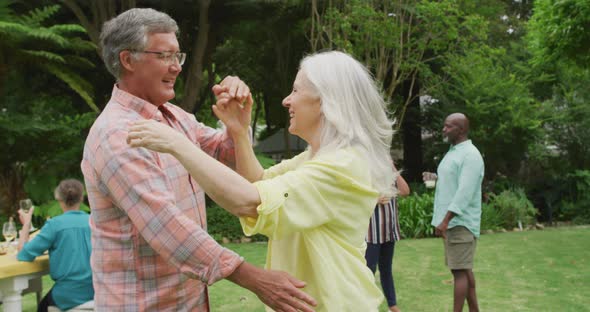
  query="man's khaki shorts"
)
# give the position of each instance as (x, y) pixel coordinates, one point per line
(459, 248)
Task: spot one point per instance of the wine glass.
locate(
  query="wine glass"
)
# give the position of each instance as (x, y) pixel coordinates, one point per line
(9, 231)
(26, 205)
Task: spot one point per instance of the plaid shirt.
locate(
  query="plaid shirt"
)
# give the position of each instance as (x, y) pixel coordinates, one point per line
(150, 247)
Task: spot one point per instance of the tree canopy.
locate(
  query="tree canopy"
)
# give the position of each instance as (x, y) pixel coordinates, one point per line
(518, 69)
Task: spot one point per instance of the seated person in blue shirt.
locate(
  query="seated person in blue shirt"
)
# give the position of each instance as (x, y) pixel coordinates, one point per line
(67, 238)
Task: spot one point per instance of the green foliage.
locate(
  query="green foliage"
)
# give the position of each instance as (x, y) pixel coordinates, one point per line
(26, 42)
(576, 202)
(51, 209)
(558, 30)
(45, 145)
(400, 42)
(37, 16)
(264, 46)
(265, 161)
(511, 206)
(6, 13)
(415, 215)
(570, 122)
(75, 82)
(505, 118)
(491, 219)
(221, 223)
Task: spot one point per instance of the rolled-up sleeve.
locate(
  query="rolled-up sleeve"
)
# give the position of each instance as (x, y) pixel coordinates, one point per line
(304, 198)
(140, 187)
(38, 245)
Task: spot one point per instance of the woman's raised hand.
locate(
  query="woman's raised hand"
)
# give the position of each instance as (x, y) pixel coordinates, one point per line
(234, 104)
(155, 136)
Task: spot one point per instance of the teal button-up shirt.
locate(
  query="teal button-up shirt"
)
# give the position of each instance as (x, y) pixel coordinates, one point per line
(67, 237)
(458, 187)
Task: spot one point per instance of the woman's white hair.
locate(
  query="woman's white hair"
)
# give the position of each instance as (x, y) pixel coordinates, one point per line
(353, 112)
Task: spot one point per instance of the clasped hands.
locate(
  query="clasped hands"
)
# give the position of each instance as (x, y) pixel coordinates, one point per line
(233, 108)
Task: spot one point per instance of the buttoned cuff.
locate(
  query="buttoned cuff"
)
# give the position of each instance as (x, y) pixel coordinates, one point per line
(272, 197)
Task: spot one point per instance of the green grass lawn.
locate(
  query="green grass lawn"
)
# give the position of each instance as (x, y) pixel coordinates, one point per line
(518, 271)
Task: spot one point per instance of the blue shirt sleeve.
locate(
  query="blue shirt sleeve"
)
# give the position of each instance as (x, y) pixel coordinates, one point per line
(39, 244)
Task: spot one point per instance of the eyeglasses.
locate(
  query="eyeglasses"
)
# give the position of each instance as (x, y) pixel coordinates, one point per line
(168, 57)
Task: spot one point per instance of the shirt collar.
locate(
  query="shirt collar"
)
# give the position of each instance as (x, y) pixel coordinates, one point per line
(460, 145)
(132, 102)
(74, 212)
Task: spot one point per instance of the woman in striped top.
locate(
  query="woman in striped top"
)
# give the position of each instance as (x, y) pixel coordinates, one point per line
(381, 237)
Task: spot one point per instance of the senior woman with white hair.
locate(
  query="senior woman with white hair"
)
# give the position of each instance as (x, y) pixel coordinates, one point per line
(315, 207)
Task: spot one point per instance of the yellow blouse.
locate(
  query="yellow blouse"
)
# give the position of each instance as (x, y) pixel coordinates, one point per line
(316, 214)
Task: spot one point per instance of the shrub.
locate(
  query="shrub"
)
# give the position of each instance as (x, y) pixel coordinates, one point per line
(576, 203)
(415, 215)
(512, 206)
(221, 223)
(50, 209)
(491, 219)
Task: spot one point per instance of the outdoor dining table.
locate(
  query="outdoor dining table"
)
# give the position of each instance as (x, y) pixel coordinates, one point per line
(15, 276)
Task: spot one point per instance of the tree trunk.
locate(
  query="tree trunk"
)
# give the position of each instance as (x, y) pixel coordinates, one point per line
(257, 110)
(412, 134)
(100, 12)
(11, 189)
(194, 78)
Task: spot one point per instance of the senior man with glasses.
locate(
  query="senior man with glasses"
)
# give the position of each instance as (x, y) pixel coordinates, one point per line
(151, 251)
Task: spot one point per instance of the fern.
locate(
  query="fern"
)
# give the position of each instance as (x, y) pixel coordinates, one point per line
(80, 62)
(75, 82)
(56, 49)
(49, 36)
(12, 29)
(6, 13)
(80, 44)
(24, 33)
(37, 16)
(67, 29)
(36, 56)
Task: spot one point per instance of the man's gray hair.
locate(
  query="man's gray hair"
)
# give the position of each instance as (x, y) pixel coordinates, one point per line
(129, 31)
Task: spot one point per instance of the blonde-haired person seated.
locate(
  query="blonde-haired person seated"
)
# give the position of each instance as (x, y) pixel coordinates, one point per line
(315, 208)
(67, 238)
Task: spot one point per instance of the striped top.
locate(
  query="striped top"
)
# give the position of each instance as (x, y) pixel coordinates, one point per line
(384, 224)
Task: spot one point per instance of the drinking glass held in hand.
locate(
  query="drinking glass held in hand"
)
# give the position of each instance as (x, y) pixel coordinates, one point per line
(26, 205)
(429, 179)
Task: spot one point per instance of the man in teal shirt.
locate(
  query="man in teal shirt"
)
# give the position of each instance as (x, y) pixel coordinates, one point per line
(457, 207)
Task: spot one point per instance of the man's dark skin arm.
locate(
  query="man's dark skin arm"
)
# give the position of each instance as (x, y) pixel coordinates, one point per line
(441, 229)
